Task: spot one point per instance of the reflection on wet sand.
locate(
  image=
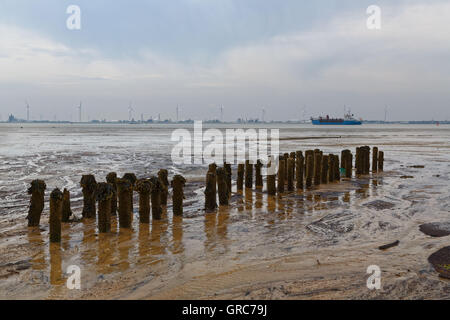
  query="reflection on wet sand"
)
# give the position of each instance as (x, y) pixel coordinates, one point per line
(271, 204)
(159, 227)
(124, 245)
(177, 235)
(105, 253)
(210, 225)
(222, 227)
(248, 199)
(88, 252)
(55, 264)
(259, 200)
(35, 239)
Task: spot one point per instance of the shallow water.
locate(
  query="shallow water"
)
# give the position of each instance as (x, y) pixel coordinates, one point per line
(347, 218)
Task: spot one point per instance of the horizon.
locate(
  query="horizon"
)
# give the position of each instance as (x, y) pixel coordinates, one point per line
(293, 60)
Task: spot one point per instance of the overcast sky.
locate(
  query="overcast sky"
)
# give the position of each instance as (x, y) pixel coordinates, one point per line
(294, 58)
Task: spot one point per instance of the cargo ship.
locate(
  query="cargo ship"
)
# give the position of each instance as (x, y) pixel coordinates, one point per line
(347, 120)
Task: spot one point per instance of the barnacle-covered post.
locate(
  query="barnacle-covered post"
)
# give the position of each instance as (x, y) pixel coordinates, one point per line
(89, 186)
(331, 168)
(178, 183)
(66, 211)
(248, 174)
(131, 177)
(222, 186)
(380, 161)
(227, 167)
(374, 159)
(163, 178)
(211, 188)
(317, 167)
(258, 176)
(240, 177)
(337, 172)
(290, 169)
(156, 198)
(281, 176)
(124, 193)
(309, 169)
(299, 163)
(111, 179)
(271, 185)
(144, 187)
(285, 157)
(56, 201)
(37, 191)
(324, 169)
(104, 196)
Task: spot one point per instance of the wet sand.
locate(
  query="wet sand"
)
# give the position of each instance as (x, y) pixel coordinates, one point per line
(308, 245)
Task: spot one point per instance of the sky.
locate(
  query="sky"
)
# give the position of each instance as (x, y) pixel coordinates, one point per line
(292, 58)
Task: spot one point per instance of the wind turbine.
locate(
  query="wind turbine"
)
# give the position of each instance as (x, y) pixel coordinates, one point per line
(385, 113)
(130, 112)
(79, 112)
(263, 115)
(221, 113)
(28, 111)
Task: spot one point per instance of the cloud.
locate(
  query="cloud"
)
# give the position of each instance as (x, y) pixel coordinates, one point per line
(340, 62)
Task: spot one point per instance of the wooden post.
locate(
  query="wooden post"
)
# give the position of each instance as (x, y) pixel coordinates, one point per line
(248, 174)
(285, 157)
(227, 167)
(240, 177)
(111, 179)
(258, 176)
(163, 178)
(309, 169)
(324, 169)
(366, 159)
(155, 196)
(348, 164)
(317, 167)
(337, 172)
(144, 188)
(124, 194)
(178, 183)
(331, 170)
(56, 200)
(293, 156)
(89, 186)
(299, 161)
(222, 186)
(375, 159)
(271, 187)
(104, 196)
(66, 211)
(290, 180)
(281, 175)
(358, 161)
(307, 153)
(381, 161)
(131, 177)
(210, 191)
(37, 191)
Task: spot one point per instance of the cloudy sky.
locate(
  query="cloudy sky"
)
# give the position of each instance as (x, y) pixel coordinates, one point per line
(293, 58)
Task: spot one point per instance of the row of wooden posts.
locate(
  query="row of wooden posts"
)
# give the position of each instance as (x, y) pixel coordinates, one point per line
(116, 194)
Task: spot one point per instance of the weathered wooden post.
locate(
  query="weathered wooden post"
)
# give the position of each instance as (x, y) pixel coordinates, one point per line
(178, 183)
(346, 162)
(248, 174)
(124, 194)
(299, 161)
(56, 200)
(104, 196)
(271, 187)
(358, 166)
(163, 177)
(290, 180)
(258, 176)
(222, 186)
(66, 211)
(366, 157)
(285, 157)
(337, 172)
(309, 169)
(375, 159)
(37, 191)
(281, 175)
(227, 167)
(240, 177)
(381, 161)
(156, 198)
(89, 186)
(210, 190)
(293, 156)
(324, 169)
(131, 177)
(317, 167)
(331, 169)
(144, 188)
(111, 179)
